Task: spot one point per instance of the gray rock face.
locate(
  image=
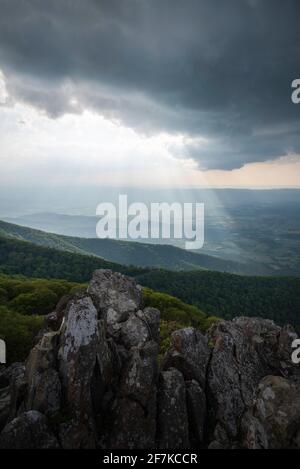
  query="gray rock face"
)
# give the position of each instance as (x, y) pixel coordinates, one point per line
(196, 406)
(93, 371)
(12, 388)
(43, 385)
(138, 379)
(244, 351)
(115, 294)
(151, 317)
(94, 379)
(134, 408)
(29, 431)
(189, 353)
(134, 426)
(77, 353)
(4, 403)
(173, 427)
(275, 415)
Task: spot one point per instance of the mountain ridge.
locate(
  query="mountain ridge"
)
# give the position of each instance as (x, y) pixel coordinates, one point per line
(131, 253)
(220, 294)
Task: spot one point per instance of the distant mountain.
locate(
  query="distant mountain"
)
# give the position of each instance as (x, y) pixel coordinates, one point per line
(16, 200)
(256, 231)
(68, 225)
(129, 252)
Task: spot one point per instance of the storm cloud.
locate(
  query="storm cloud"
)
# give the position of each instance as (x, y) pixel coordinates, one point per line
(216, 72)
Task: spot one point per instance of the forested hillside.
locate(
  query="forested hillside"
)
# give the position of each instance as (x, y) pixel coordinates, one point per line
(21, 257)
(124, 252)
(229, 295)
(24, 302)
(219, 294)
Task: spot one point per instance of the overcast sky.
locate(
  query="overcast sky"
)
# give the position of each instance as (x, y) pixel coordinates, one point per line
(167, 92)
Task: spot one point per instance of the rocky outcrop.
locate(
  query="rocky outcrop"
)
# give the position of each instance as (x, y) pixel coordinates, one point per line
(94, 380)
(274, 418)
(30, 430)
(243, 352)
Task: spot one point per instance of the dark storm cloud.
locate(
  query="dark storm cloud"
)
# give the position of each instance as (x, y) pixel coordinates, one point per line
(216, 69)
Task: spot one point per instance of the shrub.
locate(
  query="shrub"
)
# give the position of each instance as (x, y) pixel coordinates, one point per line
(18, 332)
(41, 301)
(175, 314)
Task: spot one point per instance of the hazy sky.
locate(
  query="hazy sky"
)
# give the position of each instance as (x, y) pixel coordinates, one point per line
(154, 92)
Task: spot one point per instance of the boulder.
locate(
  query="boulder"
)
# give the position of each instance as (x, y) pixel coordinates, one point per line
(114, 292)
(189, 353)
(244, 351)
(276, 410)
(135, 331)
(28, 431)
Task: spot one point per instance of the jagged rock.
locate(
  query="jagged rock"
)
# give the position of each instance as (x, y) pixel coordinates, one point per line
(135, 331)
(53, 321)
(4, 404)
(134, 427)
(196, 406)
(134, 412)
(43, 384)
(77, 354)
(114, 293)
(15, 375)
(277, 411)
(46, 393)
(255, 436)
(138, 380)
(173, 429)
(115, 298)
(244, 351)
(151, 316)
(11, 379)
(189, 353)
(109, 359)
(28, 431)
(11, 373)
(43, 355)
(94, 374)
